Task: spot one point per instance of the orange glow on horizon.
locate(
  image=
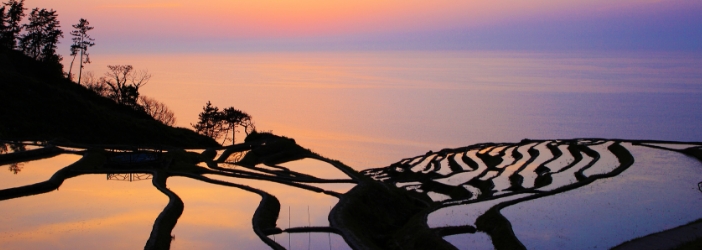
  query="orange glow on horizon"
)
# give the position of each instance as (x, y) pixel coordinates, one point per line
(286, 18)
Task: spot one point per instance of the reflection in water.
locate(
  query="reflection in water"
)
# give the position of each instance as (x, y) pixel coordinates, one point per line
(372, 108)
(335, 187)
(476, 241)
(299, 208)
(16, 167)
(465, 214)
(35, 171)
(538, 194)
(87, 212)
(13, 147)
(215, 217)
(597, 197)
(317, 241)
(315, 168)
(129, 177)
(654, 194)
(235, 157)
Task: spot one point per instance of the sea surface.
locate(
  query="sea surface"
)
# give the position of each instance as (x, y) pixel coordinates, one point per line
(367, 109)
(370, 109)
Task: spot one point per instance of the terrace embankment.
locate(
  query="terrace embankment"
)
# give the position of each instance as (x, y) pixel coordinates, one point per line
(517, 172)
(377, 216)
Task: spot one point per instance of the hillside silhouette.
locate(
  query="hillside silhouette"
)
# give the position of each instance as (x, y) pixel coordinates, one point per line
(38, 103)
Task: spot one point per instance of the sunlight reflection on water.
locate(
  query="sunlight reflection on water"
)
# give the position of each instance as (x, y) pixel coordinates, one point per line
(215, 217)
(315, 168)
(369, 109)
(86, 212)
(295, 199)
(658, 192)
(317, 241)
(34, 171)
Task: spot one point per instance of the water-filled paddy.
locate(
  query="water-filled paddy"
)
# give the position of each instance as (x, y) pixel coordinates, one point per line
(86, 212)
(299, 208)
(319, 241)
(372, 109)
(574, 194)
(476, 241)
(466, 214)
(30, 172)
(214, 217)
(658, 192)
(554, 194)
(315, 168)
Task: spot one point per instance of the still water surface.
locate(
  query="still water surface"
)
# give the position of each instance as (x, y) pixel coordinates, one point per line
(100, 211)
(86, 212)
(30, 172)
(658, 192)
(369, 109)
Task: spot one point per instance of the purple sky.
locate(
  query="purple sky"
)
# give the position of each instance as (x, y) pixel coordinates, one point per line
(149, 26)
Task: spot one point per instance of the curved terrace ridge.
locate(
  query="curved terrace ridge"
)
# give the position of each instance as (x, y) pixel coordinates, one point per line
(388, 207)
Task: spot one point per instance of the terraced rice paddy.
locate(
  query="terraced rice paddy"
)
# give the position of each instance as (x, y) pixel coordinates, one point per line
(86, 212)
(208, 216)
(545, 194)
(554, 194)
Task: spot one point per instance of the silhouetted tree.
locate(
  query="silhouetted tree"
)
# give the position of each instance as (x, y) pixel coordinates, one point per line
(11, 23)
(81, 42)
(209, 123)
(214, 123)
(42, 36)
(104, 87)
(123, 84)
(157, 110)
(232, 118)
(95, 84)
(248, 125)
(3, 27)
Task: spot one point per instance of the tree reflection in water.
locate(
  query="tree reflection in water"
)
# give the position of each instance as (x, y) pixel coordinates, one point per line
(255, 159)
(129, 177)
(387, 208)
(15, 168)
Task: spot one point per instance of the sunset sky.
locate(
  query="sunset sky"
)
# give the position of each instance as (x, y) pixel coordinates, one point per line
(226, 25)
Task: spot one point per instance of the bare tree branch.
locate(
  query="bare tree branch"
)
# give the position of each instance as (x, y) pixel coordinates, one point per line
(157, 110)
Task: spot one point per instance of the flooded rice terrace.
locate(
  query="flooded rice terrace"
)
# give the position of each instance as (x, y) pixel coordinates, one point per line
(547, 194)
(480, 187)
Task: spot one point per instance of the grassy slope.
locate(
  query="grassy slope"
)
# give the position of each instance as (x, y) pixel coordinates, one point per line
(38, 104)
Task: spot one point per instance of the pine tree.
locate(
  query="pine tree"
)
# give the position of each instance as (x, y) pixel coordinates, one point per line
(3, 27)
(42, 35)
(10, 28)
(214, 123)
(81, 42)
(210, 122)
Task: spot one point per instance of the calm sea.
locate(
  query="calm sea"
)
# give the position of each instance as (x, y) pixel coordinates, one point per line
(370, 109)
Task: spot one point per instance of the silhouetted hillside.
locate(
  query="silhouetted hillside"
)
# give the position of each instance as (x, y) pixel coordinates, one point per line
(37, 103)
